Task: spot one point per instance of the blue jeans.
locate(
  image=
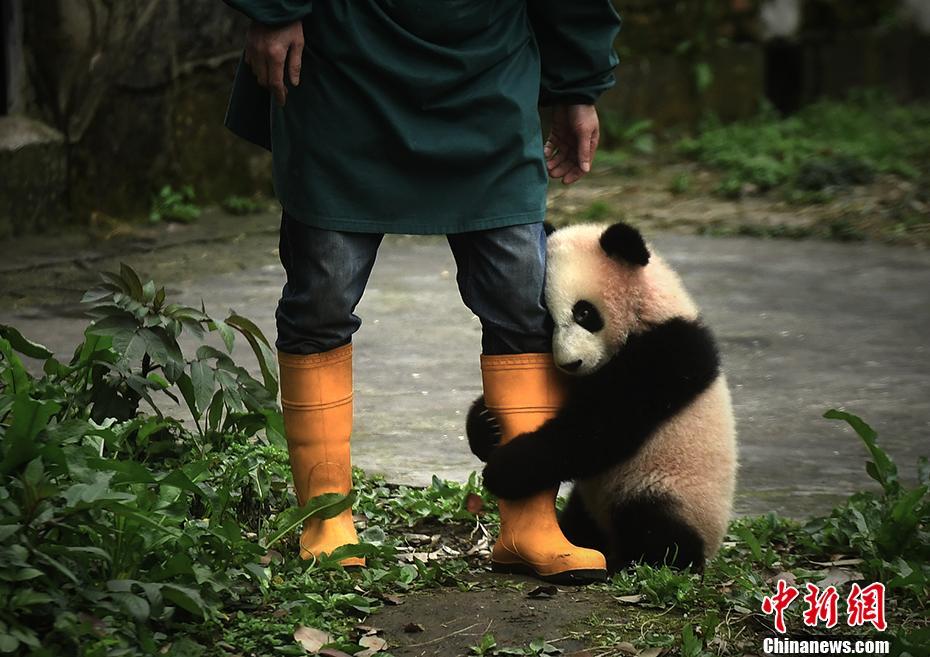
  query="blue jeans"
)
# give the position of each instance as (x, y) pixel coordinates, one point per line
(500, 276)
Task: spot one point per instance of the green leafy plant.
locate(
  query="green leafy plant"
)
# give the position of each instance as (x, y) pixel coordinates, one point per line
(827, 145)
(116, 522)
(129, 530)
(174, 205)
(890, 531)
(681, 183)
(621, 133)
(242, 205)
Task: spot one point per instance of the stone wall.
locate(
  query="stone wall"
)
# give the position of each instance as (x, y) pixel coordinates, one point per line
(138, 90)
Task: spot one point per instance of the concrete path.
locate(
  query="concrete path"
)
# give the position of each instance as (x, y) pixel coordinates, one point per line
(803, 326)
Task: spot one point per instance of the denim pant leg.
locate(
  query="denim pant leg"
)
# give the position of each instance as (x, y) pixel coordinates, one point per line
(501, 277)
(327, 271)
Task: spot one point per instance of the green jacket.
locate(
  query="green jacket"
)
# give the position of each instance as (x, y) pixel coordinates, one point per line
(420, 116)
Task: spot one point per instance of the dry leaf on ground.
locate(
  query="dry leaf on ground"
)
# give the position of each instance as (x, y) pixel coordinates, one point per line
(310, 638)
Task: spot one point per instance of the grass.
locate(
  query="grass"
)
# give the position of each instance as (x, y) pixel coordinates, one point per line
(175, 205)
(126, 531)
(827, 145)
(243, 205)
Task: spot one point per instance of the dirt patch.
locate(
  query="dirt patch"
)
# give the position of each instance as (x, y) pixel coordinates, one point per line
(514, 610)
(660, 195)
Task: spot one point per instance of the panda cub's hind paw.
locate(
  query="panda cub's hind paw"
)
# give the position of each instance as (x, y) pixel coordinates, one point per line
(483, 430)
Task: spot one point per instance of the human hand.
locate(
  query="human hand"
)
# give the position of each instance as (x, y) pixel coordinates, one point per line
(268, 49)
(572, 141)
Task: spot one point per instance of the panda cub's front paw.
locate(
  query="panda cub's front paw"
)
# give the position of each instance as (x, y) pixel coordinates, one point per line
(482, 429)
(509, 476)
(498, 480)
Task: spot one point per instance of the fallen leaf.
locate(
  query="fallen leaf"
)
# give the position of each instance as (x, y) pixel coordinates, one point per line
(788, 578)
(372, 644)
(474, 503)
(271, 556)
(418, 539)
(651, 652)
(367, 629)
(375, 643)
(392, 599)
(626, 648)
(838, 562)
(545, 591)
(412, 628)
(630, 599)
(839, 576)
(310, 638)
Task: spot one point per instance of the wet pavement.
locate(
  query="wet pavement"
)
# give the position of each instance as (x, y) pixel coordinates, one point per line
(803, 327)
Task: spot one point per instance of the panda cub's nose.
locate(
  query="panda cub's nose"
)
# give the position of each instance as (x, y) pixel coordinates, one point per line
(571, 367)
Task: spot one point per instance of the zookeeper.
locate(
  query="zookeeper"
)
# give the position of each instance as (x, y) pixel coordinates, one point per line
(421, 116)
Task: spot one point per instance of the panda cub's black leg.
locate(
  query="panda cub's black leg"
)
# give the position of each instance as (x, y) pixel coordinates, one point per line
(578, 525)
(482, 429)
(649, 530)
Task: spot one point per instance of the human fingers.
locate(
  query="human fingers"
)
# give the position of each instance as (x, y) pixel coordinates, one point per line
(548, 149)
(573, 175)
(556, 160)
(275, 67)
(587, 141)
(294, 60)
(563, 168)
(555, 150)
(259, 67)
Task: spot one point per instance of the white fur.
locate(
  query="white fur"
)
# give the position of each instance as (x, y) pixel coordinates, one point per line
(691, 457)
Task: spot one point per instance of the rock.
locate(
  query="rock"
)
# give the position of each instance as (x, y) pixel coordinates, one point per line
(34, 181)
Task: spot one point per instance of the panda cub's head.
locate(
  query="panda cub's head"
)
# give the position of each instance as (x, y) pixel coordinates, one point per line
(603, 284)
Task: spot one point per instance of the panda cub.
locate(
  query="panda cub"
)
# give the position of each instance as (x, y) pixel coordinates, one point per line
(646, 431)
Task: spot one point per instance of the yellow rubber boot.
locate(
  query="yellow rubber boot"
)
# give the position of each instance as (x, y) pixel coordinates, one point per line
(522, 392)
(316, 398)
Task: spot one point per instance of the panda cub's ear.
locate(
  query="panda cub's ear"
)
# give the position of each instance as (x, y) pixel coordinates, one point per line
(623, 242)
(549, 228)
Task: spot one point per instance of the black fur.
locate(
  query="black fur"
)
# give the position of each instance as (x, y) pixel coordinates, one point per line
(649, 530)
(579, 527)
(549, 228)
(608, 415)
(645, 529)
(623, 242)
(587, 316)
(484, 433)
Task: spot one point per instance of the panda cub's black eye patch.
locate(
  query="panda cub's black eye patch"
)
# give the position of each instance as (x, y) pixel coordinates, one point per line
(587, 317)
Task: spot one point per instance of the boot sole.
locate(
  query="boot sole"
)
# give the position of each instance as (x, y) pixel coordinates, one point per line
(577, 577)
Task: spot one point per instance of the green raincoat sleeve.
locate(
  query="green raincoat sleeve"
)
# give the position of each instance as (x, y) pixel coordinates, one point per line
(273, 12)
(575, 40)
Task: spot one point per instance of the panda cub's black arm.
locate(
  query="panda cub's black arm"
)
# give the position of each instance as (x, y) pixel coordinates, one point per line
(610, 414)
(482, 429)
